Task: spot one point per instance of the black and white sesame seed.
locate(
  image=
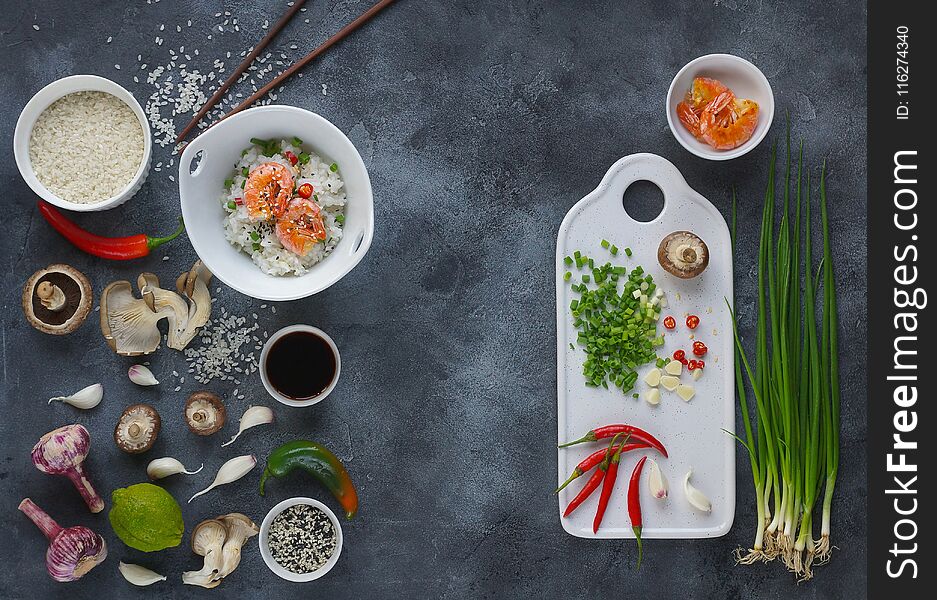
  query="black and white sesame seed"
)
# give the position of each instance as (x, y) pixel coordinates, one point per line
(302, 538)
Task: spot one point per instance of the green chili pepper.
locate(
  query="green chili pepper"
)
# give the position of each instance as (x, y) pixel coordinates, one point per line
(320, 463)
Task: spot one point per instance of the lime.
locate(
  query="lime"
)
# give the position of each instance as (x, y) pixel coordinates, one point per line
(146, 517)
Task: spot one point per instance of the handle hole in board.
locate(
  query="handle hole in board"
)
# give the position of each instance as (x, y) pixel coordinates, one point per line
(196, 163)
(643, 201)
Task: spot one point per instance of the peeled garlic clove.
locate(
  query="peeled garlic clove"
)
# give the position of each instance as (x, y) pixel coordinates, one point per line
(229, 472)
(656, 482)
(695, 497)
(253, 416)
(140, 375)
(164, 467)
(138, 575)
(652, 396)
(86, 398)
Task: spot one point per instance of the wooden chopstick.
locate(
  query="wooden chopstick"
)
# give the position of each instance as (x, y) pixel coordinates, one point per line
(342, 33)
(245, 64)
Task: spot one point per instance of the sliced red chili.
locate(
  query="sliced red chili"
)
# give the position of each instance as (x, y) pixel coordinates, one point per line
(692, 365)
(679, 355)
(700, 364)
(692, 321)
(291, 157)
(670, 323)
(699, 348)
(305, 190)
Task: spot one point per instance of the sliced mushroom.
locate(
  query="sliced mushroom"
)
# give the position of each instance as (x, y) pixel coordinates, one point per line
(204, 412)
(57, 299)
(240, 529)
(684, 254)
(130, 324)
(208, 540)
(137, 428)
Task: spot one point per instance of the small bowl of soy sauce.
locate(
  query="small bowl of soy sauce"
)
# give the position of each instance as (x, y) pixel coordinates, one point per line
(300, 365)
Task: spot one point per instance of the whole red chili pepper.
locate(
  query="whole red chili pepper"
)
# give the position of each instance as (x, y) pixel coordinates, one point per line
(601, 433)
(595, 458)
(122, 248)
(634, 504)
(593, 482)
(611, 473)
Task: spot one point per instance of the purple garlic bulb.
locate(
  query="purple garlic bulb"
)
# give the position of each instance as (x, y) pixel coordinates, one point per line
(72, 552)
(61, 452)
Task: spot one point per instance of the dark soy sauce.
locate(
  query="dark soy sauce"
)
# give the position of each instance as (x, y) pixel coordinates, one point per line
(300, 365)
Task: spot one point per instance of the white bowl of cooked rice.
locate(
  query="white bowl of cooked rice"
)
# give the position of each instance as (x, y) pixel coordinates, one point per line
(83, 143)
(277, 202)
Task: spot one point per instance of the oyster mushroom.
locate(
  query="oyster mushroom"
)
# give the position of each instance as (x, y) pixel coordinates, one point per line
(137, 428)
(204, 412)
(240, 529)
(208, 540)
(684, 254)
(57, 299)
(130, 324)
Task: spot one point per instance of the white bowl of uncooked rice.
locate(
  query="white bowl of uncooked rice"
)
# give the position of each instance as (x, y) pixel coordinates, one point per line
(83, 143)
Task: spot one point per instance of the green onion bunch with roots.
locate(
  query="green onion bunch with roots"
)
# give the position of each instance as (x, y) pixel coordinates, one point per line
(791, 430)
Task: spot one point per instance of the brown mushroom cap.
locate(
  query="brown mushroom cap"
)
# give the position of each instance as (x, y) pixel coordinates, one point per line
(204, 412)
(684, 254)
(137, 428)
(78, 298)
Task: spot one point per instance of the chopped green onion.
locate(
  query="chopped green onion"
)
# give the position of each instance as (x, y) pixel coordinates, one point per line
(340, 219)
(568, 261)
(303, 158)
(245, 172)
(256, 245)
(333, 167)
(628, 251)
(613, 250)
(585, 278)
(296, 141)
(255, 236)
(228, 183)
(232, 204)
(567, 276)
(604, 243)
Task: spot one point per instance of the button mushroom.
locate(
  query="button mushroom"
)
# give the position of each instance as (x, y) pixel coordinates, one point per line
(57, 299)
(684, 254)
(137, 428)
(208, 541)
(130, 324)
(204, 412)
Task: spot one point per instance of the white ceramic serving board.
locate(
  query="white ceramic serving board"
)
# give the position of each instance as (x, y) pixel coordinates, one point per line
(691, 431)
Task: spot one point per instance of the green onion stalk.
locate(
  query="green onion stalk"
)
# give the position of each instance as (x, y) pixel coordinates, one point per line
(792, 436)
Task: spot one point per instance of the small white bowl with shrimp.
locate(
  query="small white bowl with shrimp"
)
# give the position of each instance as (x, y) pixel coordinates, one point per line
(277, 202)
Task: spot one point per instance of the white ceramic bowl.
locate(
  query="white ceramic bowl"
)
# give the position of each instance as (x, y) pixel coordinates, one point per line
(743, 78)
(263, 365)
(263, 540)
(41, 101)
(200, 192)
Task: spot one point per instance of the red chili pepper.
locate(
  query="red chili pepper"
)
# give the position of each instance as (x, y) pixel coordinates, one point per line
(122, 248)
(692, 321)
(679, 355)
(693, 365)
(305, 190)
(291, 157)
(602, 433)
(700, 349)
(700, 364)
(593, 482)
(669, 322)
(239, 201)
(634, 504)
(611, 474)
(595, 458)
(684, 362)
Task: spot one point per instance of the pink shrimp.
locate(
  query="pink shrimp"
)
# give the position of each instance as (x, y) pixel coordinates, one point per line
(268, 191)
(301, 227)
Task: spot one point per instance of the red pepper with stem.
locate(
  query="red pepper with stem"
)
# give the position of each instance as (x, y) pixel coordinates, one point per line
(594, 481)
(595, 458)
(121, 248)
(611, 474)
(601, 433)
(634, 503)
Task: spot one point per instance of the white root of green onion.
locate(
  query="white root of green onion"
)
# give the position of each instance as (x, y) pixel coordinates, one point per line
(793, 437)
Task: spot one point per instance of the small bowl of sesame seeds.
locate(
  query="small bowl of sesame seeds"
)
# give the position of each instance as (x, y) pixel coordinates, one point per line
(300, 539)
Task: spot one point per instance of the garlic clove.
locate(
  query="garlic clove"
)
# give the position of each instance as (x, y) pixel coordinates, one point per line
(656, 482)
(697, 373)
(253, 416)
(696, 498)
(230, 472)
(164, 467)
(140, 375)
(138, 575)
(85, 398)
(653, 377)
(686, 392)
(652, 396)
(674, 367)
(669, 382)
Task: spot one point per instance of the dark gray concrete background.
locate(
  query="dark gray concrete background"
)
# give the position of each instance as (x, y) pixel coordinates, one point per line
(481, 122)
